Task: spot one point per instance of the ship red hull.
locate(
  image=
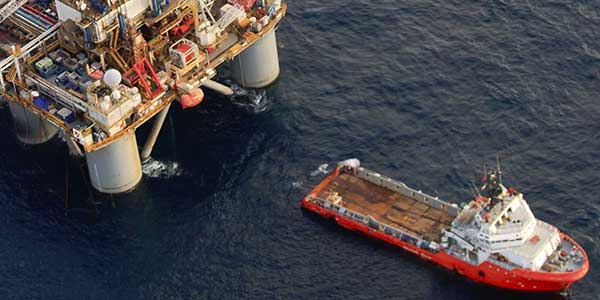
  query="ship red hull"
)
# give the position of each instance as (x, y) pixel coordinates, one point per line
(485, 273)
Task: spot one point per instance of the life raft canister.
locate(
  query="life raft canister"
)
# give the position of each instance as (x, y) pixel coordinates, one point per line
(191, 99)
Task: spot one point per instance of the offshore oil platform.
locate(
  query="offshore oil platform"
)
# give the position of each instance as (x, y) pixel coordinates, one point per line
(93, 71)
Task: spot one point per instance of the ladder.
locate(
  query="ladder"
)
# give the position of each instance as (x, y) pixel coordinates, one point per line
(10, 8)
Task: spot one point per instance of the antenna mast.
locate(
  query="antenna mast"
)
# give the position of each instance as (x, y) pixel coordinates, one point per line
(498, 169)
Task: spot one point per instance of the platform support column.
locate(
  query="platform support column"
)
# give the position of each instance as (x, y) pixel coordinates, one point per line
(156, 126)
(74, 148)
(257, 66)
(115, 168)
(31, 128)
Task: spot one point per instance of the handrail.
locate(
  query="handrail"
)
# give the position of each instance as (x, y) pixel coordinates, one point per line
(33, 44)
(61, 95)
(405, 190)
(10, 8)
(368, 219)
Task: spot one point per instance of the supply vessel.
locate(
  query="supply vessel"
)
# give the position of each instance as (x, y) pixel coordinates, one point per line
(494, 239)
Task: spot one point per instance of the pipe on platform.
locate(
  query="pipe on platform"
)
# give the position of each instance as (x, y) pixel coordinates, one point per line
(151, 140)
(218, 87)
(156, 8)
(257, 66)
(122, 25)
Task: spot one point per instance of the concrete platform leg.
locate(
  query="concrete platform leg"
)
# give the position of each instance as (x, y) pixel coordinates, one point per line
(115, 168)
(31, 128)
(257, 66)
(151, 140)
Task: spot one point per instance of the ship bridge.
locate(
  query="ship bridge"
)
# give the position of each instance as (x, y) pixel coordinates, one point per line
(508, 223)
(505, 230)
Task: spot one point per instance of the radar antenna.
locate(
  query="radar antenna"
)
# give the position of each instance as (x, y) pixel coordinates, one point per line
(492, 180)
(499, 171)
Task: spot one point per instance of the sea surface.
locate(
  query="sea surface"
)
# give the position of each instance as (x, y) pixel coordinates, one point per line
(423, 91)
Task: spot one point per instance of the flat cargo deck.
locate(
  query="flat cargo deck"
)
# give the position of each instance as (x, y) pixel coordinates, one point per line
(389, 207)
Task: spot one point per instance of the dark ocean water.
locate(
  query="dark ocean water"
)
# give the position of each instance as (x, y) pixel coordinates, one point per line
(425, 92)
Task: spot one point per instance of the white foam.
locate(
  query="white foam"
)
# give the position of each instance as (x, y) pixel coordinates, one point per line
(297, 184)
(161, 169)
(322, 169)
(255, 101)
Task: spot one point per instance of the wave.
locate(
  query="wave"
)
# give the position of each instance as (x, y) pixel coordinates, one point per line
(161, 169)
(254, 101)
(322, 169)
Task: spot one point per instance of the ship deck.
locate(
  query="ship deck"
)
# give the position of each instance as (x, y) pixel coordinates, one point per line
(389, 207)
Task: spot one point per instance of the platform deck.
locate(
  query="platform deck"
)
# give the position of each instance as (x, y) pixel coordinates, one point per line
(388, 207)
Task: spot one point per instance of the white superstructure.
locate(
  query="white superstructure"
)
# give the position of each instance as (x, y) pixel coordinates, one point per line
(500, 227)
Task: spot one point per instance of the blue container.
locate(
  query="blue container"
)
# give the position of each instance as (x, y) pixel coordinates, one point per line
(99, 6)
(66, 115)
(42, 102)
(62, 79)
(82, 72)
(47, 73)
(87, 37)
(122, 24)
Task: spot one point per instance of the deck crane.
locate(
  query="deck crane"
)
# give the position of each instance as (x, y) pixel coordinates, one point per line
(205, 8)
(206, 30)
(237, 8)
(230, 16)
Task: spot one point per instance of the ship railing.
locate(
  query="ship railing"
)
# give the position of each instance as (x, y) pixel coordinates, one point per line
(506, 265)
(26, 50)
(371, 222)
(462, 256)
(342, 210)
(402, 188)
(546, 225)
(60, 95)
(512, 228)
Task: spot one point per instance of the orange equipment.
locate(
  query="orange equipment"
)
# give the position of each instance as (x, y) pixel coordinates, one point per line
(193, 98)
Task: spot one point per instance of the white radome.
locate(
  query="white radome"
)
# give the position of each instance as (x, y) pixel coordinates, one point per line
(112, 78)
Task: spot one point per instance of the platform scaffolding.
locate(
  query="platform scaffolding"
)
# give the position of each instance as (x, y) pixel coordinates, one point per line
(104, 68)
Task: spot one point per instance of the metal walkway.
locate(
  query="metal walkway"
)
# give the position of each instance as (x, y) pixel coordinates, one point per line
(10, 8)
